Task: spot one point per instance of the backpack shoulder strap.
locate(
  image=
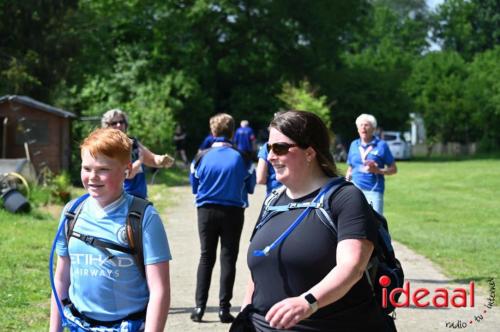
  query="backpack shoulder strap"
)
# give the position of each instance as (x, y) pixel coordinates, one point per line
(135, 216)
(324, 212)
(270, 199)
(277, 192)
(270, 209)
(199, 156)
(266, 212)
(71, 215)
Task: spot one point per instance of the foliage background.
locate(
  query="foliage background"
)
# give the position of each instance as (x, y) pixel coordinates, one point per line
(168, 62)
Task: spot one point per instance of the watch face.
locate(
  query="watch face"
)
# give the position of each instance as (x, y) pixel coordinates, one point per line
(310, 298)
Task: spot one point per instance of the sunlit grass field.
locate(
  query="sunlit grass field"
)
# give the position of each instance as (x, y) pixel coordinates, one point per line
(448, 211)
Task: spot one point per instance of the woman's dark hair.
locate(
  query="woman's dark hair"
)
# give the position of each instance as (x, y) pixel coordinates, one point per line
(307, 130)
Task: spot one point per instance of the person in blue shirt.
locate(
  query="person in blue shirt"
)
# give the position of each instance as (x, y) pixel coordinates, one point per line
(221, 178)
(244, 139)
(265, 171)
(104, 287)
(135, 183)
(369, 160)
(207, 143)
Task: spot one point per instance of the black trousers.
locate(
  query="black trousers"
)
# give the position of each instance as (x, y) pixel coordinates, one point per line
(226, 223)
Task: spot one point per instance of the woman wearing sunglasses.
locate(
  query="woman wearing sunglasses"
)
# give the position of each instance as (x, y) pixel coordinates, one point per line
(135, 183)
(309, 279)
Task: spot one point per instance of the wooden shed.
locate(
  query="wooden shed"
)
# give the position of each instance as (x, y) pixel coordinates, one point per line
(36, 131)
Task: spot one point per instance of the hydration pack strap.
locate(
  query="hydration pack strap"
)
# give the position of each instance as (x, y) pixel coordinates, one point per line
(62, 226)
(95, 242)
(277, 242)
(291, 206)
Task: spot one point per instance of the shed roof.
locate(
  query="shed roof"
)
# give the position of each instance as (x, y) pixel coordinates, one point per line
(25, 100)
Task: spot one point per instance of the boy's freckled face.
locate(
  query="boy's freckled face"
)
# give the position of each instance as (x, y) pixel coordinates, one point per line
(102, 177)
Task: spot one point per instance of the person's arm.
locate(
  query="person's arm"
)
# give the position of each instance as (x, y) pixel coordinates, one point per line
(151, 159)
(352, 258)
(389, 170)
(193, 179)
(250, 181)
(136, 168)
(62, 282)
(348, 173)
(247, 299)
(262, 171)
(158, 278)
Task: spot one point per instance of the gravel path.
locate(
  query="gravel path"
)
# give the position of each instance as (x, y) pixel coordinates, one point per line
(180, 222)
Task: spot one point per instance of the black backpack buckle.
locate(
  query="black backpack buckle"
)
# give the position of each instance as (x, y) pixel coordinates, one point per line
(87, 239)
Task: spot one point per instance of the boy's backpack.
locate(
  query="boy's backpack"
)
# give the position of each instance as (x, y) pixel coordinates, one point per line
(133, 229)
(382, 263)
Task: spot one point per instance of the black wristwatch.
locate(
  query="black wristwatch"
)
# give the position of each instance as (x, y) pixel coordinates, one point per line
(313, 303)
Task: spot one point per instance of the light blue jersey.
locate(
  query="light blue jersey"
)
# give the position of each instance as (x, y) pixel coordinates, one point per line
(106, 284)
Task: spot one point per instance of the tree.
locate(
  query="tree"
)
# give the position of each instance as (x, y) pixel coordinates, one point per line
(148, 102)
(377, 63)
(438, 90)
(483, 97)
(304, 98)
(37, 46)
(467, 27)
(229, 56)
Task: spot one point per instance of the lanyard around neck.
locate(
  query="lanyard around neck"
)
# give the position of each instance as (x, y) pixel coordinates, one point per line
(364, 152)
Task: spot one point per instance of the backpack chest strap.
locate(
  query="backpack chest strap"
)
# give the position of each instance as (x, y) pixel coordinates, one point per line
(95, 242)
(291, 206)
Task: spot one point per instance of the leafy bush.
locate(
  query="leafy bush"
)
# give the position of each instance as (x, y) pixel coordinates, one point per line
(303, 98)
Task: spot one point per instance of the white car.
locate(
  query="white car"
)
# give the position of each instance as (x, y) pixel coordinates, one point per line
(399, 147)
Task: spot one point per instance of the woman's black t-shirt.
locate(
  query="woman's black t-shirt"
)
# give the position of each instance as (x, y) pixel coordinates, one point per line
(308, 254)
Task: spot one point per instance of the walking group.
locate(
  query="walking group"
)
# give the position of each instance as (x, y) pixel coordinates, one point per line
(309, 251)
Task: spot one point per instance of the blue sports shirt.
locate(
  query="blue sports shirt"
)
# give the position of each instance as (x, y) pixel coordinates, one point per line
(222, 177)
(243, 139)
(136, 186)
(110, 288)
(271, 174)
(378, 150)
(207, 142)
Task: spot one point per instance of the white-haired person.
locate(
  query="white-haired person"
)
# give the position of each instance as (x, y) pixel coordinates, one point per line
(135, 183)
(369, 160)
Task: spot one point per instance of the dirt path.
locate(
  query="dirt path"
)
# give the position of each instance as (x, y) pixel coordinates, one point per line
(180, 222)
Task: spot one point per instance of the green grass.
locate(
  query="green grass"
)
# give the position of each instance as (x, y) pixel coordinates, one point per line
(449, 211)
(446, 210)
(24, 286)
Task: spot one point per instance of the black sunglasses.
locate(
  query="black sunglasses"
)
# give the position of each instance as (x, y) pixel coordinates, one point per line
(114, 123)
(280, 149)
